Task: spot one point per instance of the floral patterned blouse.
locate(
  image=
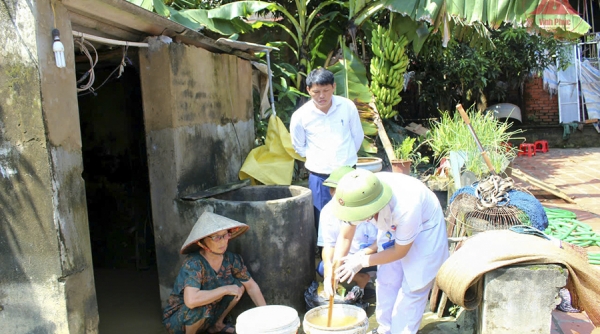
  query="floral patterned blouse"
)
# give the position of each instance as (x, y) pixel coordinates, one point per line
(196, 272)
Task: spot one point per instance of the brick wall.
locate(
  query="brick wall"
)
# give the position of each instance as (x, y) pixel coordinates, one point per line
(540, 107)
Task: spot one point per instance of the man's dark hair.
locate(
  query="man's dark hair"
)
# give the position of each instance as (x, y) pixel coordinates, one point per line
(319, 76)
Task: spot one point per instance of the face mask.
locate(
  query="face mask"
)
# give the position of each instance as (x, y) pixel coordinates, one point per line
(382, 219)
(380, 224)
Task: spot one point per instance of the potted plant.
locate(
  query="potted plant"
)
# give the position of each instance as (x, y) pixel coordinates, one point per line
(403, 153)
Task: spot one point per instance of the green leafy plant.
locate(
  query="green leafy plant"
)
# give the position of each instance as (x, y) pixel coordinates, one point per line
(418, 159)
(407, 151)
(450, 133)
(454, 310)
(286, 93)
(404, 150)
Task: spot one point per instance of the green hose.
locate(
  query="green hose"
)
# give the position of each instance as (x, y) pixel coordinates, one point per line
(563, 225)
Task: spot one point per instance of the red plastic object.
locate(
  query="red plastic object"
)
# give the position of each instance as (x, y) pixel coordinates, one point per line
(541, 146)
(508, 145)
(526, 149)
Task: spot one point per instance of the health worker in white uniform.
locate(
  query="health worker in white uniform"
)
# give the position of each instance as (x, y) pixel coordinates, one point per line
(412, 242)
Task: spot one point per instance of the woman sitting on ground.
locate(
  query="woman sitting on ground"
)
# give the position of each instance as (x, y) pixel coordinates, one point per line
(211, 280)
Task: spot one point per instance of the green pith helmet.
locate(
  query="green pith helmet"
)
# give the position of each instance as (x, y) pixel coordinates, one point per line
(336, 175)
(359, 195)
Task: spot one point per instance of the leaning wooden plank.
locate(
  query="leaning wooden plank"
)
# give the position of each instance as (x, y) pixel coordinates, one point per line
(433, 298)
(442, 306)
(541, 184)
(385, 140)
(534, 181)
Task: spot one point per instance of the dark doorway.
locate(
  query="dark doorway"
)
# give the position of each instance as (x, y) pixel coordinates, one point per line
(117, 193)
(116, 171)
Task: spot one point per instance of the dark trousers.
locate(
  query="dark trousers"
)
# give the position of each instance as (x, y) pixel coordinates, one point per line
(320, 194)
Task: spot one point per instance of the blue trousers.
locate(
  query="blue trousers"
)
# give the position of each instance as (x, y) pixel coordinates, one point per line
(320, 194)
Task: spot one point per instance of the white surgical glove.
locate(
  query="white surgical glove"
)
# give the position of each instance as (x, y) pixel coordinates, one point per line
(328, 286)
(351, 266)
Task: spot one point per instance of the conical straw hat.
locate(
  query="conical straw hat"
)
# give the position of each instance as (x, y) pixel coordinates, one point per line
(211, 223)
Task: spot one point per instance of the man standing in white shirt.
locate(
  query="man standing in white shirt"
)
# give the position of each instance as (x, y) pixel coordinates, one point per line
(327, 131)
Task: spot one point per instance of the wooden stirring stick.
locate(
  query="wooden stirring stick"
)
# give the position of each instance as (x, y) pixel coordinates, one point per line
(330, 310)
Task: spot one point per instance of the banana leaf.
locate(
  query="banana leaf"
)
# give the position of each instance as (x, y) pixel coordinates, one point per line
(494, 13)
(360, 11)
(368, 146)
(369, 128)
(415, 32)
(351, 77)
(146, 4)
(160, 8)
(225, 19)
(238, 9)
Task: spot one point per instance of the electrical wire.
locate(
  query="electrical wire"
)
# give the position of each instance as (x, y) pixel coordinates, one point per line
(53, 13)
(120, 68)
(89, 74)
(93, 90)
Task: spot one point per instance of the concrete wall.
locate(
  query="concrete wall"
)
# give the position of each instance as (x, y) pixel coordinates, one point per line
(520, 299)
(199, 128)
(46, 276)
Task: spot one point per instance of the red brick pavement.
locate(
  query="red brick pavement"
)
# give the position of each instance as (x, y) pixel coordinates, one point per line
(575, 172)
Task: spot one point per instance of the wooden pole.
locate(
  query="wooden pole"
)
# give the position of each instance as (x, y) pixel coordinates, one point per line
(542, 185)
(465, 118)
(330, 310)
(385, 140)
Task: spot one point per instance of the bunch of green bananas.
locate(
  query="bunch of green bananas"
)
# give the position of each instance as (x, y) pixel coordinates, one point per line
(388, 66)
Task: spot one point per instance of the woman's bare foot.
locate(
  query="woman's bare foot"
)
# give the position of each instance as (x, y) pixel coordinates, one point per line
(222, 328)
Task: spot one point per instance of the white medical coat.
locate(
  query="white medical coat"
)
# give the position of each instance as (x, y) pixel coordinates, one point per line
(414, 214)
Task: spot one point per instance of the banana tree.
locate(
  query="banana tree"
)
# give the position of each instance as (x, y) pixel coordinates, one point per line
(305, 31)
(467, 20)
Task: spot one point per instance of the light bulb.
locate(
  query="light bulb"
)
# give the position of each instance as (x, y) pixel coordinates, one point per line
(59, 49)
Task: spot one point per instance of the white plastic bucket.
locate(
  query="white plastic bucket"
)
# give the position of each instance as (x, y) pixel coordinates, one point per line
(339, 310)
(270, 319)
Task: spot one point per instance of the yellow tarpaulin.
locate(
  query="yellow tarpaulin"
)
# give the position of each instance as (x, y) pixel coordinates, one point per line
(273, 162)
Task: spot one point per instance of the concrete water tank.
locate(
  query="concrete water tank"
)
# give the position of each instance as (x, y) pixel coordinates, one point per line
(279, 247)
